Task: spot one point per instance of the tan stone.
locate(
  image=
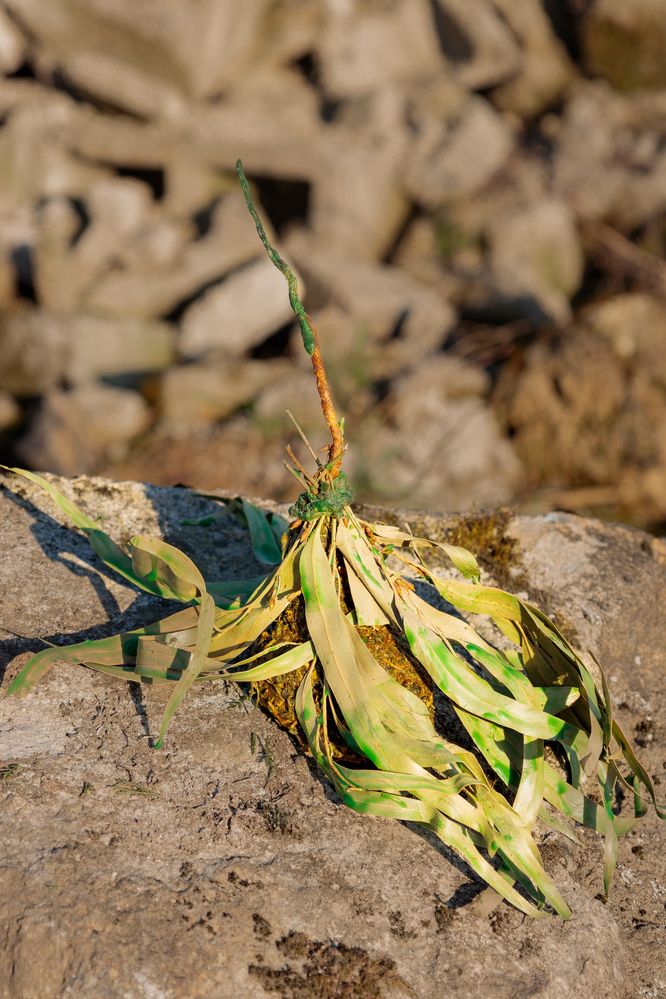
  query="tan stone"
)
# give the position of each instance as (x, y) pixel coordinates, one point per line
(75, 430)
(545, 68)
(239, 313)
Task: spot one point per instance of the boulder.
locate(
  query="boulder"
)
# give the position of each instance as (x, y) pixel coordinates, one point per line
(32, 349)
(146, 282)
(223, 865)
(147, 57)
(12, 45)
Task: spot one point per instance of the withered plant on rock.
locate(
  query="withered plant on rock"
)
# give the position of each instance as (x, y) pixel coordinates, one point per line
(341, 648)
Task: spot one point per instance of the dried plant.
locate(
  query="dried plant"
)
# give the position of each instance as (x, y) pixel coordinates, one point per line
(341, 648)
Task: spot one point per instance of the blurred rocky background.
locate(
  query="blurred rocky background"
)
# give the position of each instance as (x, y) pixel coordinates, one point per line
(473, 193)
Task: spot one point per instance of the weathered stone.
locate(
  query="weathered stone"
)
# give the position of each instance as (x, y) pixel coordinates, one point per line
(77, 429)
(442, 443)
(545, 69)
(99, 347)
(149, 57)
(481, 47)
(34, 161)
(118, 209)
(536, 253)
(452, 160)
(402, 318)
(294, 390)
(32, 348)
(239, 313)
(12, 45)
(610, 160)
(359, 207)
(626, 43)
(251, 876)
(39, 349)
(193, 396)
(365, 50)
(635, 325)
(137, 286)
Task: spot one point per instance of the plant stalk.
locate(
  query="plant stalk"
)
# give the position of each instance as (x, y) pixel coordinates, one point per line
(310, 338)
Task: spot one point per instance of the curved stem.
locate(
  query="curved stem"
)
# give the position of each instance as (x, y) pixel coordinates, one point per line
(308, 332)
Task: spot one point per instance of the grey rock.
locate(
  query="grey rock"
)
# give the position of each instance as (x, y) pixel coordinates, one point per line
(148, 57)
(110, 347)
(12, 45)
(199, 871)
(149, 279)
(38, 349)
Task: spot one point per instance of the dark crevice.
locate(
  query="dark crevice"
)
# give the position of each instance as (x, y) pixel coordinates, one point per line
(26, 71)
(453, 41)
(307, 67)
(203, 219)
(284, 201)
(413, 214)
(22, 258)
(275, 345)
(381, 388)
(154, 178)
(175, 314)
(59, 80)
(398, 329)
(83, 217)
(328, 109)
(566, 17)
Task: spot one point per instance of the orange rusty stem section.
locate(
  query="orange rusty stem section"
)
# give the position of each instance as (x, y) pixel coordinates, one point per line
(336, 447)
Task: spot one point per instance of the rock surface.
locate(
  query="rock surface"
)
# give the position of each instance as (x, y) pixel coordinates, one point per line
(223, 865)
